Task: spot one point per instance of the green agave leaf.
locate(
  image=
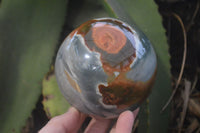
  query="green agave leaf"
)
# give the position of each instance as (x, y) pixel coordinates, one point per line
(88, 10)
(144, 14)
(54, 102)
(29, 30)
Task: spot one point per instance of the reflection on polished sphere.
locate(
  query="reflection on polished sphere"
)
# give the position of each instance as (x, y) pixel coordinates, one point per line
(105, 67)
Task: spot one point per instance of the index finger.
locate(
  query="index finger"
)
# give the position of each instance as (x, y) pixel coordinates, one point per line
(70, 122)
(125, 122)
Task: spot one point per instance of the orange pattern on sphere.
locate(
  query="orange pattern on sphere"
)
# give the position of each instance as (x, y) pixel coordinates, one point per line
(108, 38)
(124, 92)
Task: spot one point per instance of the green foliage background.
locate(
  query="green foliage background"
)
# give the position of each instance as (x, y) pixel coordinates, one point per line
(29, 34)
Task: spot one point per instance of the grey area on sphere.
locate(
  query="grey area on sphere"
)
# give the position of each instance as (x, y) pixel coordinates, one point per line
(85, 68)
(145, 63)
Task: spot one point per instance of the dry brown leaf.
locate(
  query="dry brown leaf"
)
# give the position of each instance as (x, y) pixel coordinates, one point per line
(183, 60)
(194, 107)
(193, 126)
(185, 96)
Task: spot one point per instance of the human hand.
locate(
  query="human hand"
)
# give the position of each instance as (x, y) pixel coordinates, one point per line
(71, 121)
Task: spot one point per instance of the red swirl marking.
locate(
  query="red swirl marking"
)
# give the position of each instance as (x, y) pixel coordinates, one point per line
(108, 38)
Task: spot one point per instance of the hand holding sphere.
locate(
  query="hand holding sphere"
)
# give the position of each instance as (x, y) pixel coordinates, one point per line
(105, 67)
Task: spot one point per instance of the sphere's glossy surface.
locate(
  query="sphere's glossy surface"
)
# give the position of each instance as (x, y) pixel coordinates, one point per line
(105, 67)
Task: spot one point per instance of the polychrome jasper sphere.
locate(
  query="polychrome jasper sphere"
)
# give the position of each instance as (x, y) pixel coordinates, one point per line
(105, 67)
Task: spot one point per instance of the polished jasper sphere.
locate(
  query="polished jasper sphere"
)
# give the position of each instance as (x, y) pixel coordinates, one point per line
(105, 67)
